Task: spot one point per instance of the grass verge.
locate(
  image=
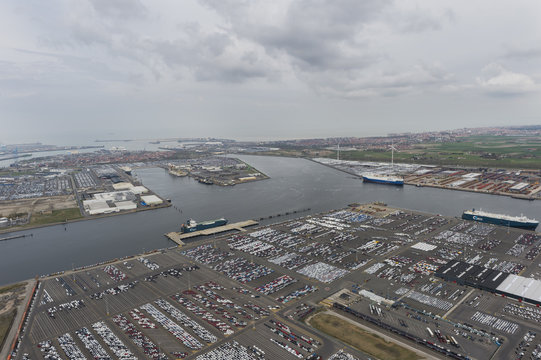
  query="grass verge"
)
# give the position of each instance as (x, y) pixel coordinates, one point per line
(363, 340)
(55, 216)
(11, 287)
(5, 324)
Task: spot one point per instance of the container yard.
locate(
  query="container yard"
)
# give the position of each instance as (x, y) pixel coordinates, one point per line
(520, 184)
(215, 170)
(438, 286)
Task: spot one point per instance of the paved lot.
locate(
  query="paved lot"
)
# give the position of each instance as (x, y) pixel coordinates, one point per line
(249, 288)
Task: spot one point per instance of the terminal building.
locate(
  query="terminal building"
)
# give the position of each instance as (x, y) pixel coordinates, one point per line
(476, 276)
(498, 282)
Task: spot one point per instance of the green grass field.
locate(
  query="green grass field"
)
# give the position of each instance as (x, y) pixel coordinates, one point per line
(5, 324)
(482, 151)
(55, 216)
(514, 152)
(7, 319)
(11, 287)
(499, 145)
(363, 340)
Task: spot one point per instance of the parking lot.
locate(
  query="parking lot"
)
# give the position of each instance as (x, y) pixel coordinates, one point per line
(35, 186)
(162, 306)
(243, 293)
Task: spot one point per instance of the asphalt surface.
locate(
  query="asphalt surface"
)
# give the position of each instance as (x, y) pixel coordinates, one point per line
(382, 255)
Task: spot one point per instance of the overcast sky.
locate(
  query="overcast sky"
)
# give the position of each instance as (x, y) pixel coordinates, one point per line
(73, 71)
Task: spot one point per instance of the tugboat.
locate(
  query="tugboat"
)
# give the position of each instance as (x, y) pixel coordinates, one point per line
(191, 225)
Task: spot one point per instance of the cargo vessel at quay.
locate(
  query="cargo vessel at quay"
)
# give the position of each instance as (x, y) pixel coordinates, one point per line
(521, 222)
(191, 225)
(383, 179)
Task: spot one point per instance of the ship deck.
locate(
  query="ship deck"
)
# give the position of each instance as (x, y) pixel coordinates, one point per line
(177, 237)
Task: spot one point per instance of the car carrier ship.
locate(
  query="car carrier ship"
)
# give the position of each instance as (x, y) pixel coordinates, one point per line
(191, 225)
(383, 179)
(521, 222)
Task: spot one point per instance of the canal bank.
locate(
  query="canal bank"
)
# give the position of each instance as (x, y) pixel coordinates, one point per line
(294, 184)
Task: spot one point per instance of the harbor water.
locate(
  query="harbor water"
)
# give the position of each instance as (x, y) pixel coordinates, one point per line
(294, 184)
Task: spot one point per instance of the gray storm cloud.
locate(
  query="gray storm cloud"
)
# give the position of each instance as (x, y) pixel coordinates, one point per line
(260, 69)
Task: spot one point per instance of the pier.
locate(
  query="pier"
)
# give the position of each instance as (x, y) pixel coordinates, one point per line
(15, 237)
(177, 237)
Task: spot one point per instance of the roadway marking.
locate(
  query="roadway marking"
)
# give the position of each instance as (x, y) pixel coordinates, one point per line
(458, 303)
(403, 296)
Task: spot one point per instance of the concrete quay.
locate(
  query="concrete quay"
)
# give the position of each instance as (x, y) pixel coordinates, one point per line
(177, 237)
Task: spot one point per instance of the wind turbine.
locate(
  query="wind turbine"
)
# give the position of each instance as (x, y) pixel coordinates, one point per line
(393, 149)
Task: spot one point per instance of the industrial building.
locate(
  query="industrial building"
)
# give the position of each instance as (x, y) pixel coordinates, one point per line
(95, 207)
(125, 205)
(138, 190)
(115, 196)
(521, 288)
(110, 202)
(151, 200)
(122, 186)
(498, 282)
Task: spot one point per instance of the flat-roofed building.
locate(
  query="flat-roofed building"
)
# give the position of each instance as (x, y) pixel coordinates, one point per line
(151, 200)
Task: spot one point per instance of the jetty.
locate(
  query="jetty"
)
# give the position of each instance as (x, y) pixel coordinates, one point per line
(177, 237)
(15, 237)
